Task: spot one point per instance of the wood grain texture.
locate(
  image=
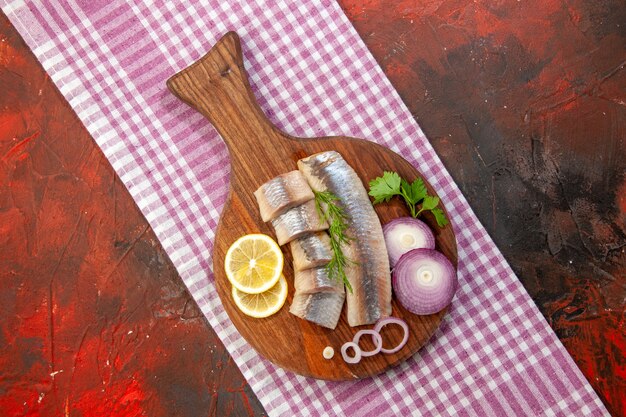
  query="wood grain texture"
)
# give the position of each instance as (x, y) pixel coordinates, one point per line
(217, 86)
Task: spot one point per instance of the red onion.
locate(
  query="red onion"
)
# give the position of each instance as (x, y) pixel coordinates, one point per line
(392, 320)
(378, 341)
(424, 281)
(406, 233)
(376, 338)
(357, 352)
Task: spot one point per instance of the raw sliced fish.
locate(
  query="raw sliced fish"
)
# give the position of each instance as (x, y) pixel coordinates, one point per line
(323, 308)
(297, 221)
(370, 277)
(316, 280)
(282, 193)
(310, 251)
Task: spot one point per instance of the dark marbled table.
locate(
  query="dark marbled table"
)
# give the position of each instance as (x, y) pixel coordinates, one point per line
(525, 102)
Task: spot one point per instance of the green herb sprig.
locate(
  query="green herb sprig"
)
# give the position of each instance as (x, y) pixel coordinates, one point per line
(335, 216)
(391, 184)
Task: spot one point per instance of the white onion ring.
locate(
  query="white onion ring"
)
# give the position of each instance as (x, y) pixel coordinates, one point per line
(393, 320)
(357, 352)
(378, 341)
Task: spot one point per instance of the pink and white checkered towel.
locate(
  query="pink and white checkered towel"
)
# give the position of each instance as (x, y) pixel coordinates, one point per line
(493, 356)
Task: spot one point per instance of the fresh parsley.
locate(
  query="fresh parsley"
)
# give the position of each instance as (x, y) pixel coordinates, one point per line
(327, 209)
(391, 184)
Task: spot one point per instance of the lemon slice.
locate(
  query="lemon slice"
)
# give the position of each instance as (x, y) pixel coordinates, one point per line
(254, 263)
(264, 304)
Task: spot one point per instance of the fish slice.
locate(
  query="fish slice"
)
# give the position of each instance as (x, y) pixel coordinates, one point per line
(217, 86)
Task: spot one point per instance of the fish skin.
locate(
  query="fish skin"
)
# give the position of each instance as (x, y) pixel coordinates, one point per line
(282, 193)
(298, 221)
(369, 276)
(316, 280)
(310, 251)
(322, 308)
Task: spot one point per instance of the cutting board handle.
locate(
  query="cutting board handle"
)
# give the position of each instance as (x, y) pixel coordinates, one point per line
(217, 86)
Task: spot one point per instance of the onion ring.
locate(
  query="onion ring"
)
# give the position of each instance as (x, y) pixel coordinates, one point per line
(393, 320)
(378, 341)
(405, 233)
(424, 281)
(357, 352)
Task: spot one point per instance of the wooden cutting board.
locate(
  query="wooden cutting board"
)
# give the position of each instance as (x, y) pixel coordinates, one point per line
(217, 86)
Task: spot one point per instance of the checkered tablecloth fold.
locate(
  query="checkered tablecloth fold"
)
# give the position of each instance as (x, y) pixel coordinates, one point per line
(493, 356)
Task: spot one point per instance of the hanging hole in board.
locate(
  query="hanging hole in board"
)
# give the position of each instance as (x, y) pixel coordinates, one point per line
(225, 71)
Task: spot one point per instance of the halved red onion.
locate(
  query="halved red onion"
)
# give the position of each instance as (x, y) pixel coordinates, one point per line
(406, 233)
(378, 341)
(357, 352)
(392, 320)
(424, 281)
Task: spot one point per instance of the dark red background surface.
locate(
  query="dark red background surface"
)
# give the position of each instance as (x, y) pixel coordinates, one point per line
(524, 101)
(94, 319)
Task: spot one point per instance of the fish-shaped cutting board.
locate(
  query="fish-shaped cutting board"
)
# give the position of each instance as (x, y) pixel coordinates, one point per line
(217, 86)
